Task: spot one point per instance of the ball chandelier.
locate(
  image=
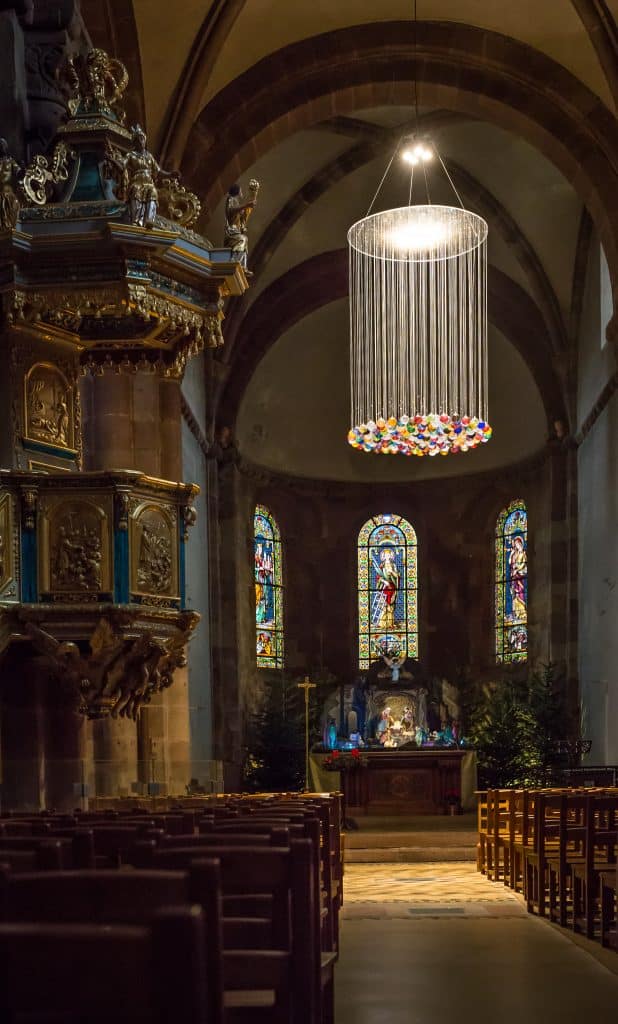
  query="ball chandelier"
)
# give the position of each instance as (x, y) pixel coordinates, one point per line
(418, 322)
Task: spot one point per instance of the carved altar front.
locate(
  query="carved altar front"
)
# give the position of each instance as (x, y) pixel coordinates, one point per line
(404, 782)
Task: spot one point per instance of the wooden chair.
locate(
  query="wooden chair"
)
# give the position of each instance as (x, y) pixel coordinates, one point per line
(497, 834)
(599, 854)
(98, 973)
(608, 879)
(569, 851)
(122, 897)
(481, 826)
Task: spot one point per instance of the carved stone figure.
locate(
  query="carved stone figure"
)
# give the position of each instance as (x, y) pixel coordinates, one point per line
(95, 83)
(140, 174)
(120, 673)
(237, 214)
(9, 202)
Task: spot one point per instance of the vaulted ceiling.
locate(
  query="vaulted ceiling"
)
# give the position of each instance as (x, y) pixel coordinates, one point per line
(310, 97)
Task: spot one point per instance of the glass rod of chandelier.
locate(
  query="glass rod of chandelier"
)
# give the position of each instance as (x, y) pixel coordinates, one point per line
(418, 329)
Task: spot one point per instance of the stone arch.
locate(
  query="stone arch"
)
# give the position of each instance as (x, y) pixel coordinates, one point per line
(459, 67)
(323, 279)
(484, 202)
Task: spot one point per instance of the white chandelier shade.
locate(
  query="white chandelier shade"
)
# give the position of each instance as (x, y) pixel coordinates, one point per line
(418, 331)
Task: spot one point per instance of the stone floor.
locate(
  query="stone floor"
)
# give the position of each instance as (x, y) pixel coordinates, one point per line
(437, 943)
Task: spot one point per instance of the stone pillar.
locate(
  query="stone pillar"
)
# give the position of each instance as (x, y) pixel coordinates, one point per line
(133, 421)
(121, 428)
(164, 730)
(22, 740)
(65, 753)
(115, 757)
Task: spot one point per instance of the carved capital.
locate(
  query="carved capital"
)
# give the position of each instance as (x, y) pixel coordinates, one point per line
(29, 504)
(189, 518)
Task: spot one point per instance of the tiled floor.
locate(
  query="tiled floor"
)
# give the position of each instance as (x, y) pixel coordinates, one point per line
(437, 943)
(443, 889)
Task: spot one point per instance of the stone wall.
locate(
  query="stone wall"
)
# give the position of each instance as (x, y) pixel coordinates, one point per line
(597, 459)
(454, 520)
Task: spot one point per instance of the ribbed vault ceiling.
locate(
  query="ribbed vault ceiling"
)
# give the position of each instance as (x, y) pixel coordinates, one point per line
(289, 406)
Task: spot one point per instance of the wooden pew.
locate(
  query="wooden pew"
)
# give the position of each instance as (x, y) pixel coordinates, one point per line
(102, 973)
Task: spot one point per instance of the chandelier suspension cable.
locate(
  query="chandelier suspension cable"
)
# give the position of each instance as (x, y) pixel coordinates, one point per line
(418, 318)
(382, 180)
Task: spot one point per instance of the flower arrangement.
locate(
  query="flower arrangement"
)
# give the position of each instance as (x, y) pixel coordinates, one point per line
(339, 761)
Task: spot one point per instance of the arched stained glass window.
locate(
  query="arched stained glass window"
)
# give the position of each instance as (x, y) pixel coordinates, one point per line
(268, 589)
(387, 589)
(511, 593)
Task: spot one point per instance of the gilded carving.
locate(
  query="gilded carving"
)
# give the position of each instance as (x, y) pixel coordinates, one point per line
(189, 518)
(153, 552)
(9, 202)
(122, 510)
(237, 213)
(49, 412)
(74, 549)
(29, 502)
(6, 538)
(178, 203)
(138, 174)
(40, 175)
(94, 83)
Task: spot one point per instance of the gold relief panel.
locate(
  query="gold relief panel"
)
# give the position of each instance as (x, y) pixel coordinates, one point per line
(6, 541)
(74, 546)
(48, 407)
(154, 552)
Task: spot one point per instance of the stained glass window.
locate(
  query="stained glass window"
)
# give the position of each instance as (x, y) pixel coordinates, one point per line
(511, 593)
(387, 589)
(268, 590)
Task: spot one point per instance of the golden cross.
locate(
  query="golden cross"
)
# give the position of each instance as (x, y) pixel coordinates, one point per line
(306, 686)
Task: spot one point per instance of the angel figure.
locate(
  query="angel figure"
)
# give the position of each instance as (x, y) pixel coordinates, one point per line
(9, 203)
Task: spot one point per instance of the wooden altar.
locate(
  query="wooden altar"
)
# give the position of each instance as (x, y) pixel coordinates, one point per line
(403, 782)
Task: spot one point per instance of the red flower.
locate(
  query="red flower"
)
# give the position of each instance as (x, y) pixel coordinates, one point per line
(335, 753)
(355, 753)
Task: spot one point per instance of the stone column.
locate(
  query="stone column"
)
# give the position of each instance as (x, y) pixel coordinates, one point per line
(65, 752)
(120, 423)
(164, 732)
(133, 421)
(22, 737)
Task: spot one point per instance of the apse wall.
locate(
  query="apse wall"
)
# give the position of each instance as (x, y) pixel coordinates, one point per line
(295, 413)
(319, 521)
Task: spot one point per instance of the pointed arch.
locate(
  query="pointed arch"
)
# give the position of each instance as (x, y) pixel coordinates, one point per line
(268, 575)
(387, 589)
(511, 584)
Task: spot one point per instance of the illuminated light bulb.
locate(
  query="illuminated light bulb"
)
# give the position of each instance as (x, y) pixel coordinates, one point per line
(410, 157)
(419, 235)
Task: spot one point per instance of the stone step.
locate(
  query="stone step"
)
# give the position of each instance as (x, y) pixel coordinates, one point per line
(393, 839)
(409, 854)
